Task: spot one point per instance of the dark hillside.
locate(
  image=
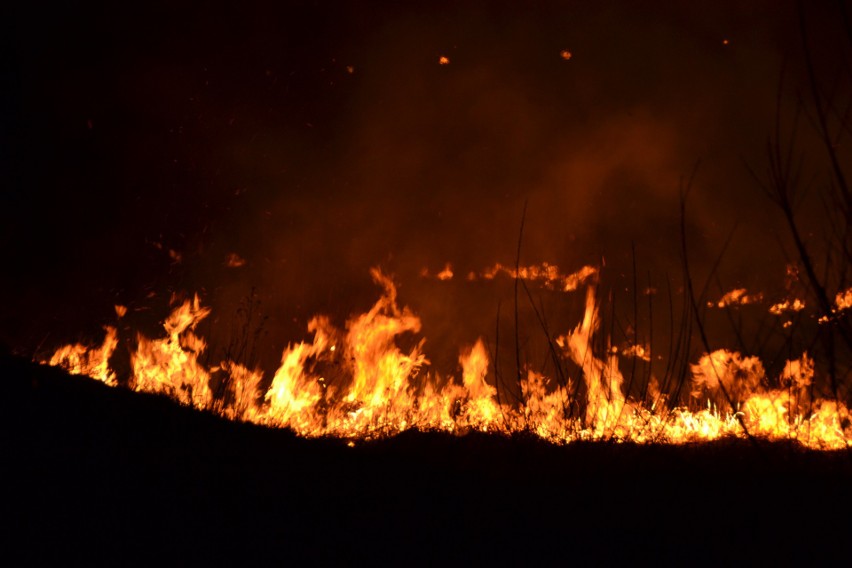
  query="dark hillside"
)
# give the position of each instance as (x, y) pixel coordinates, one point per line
(108, 476)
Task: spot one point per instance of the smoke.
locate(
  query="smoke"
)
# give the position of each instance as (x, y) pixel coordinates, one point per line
(313, 143)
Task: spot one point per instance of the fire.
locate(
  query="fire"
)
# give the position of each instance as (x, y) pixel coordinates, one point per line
(795, 305)
(481, 410)
(638, 351)
(78, 359)
(603, 380)
(170, 365)
(843, 300)
(548, 275)
(736, 297)
(446, 273)
(725, 377)
(356, 382)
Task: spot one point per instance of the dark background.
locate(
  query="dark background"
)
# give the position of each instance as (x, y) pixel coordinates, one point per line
(145, 142)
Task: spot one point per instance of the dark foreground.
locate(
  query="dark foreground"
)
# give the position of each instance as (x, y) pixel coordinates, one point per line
(106, 476)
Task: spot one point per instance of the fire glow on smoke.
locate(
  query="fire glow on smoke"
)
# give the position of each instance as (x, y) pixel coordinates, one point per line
(358, 383)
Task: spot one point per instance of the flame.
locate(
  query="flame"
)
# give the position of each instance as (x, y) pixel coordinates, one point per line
(78, 359)
(726, 377)
(794, 305)
(638, 351)
(446, 273)
(171, 365)
(602, 377)
(736, 297)
(481, 410)
(547, 274)
(242, 391)
(358, 382)
(843, 300)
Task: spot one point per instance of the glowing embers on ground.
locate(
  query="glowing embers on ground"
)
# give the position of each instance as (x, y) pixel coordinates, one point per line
(358, 383)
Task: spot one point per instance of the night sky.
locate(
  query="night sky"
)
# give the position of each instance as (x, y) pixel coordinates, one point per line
(145, 143)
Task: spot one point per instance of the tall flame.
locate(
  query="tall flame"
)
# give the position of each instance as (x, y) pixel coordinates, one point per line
(170, 365)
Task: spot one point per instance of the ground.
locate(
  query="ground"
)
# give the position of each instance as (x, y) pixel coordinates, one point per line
(106, 476)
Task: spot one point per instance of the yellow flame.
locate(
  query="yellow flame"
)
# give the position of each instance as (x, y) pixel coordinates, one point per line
(78, 359)
(170, 365)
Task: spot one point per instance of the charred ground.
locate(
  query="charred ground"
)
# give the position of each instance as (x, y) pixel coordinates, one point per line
(105, 475)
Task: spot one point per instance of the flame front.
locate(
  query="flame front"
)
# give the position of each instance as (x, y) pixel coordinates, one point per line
(358, 383)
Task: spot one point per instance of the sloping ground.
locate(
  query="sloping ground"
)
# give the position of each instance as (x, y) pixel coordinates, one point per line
(105, 476)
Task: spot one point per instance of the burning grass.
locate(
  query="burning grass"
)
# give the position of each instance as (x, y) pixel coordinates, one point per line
(357, 383)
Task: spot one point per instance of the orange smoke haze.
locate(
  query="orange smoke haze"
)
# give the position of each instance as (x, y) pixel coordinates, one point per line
(277, 152)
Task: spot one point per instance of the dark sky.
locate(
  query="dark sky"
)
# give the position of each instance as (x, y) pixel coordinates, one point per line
(316, 140)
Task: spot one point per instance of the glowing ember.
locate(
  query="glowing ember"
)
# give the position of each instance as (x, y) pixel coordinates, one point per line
(795, 305)
(446, 273)
(233, 260)
(386, 389)
(843, 300)
(637, 351)
(737, 297)
(547, 274)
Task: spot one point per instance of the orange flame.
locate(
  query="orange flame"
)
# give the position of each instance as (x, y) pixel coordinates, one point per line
(546, 274)
(78, 359)
(170, 365)
(736, 297)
